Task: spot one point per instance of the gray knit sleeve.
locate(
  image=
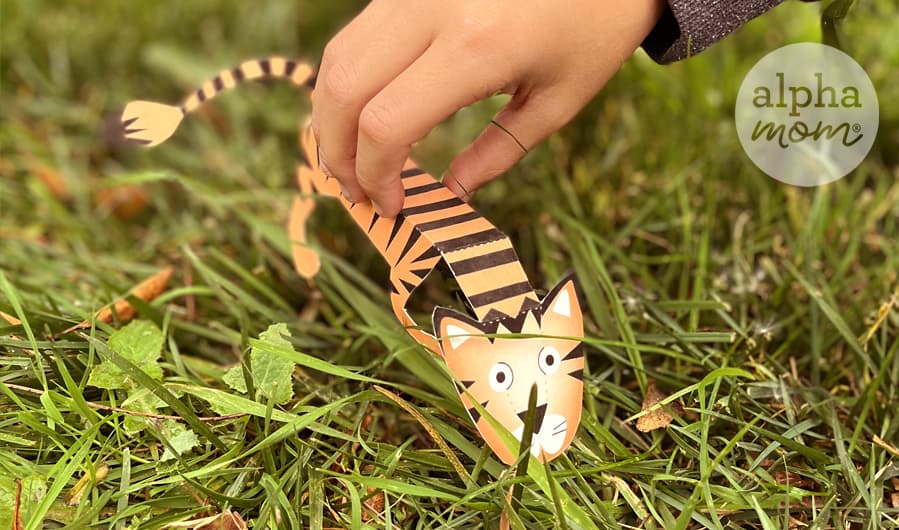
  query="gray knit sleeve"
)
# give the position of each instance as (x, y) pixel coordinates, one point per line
(689, 26)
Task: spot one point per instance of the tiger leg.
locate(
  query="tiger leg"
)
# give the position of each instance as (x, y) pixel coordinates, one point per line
(398, 301)
(305, 259)
(414, 258)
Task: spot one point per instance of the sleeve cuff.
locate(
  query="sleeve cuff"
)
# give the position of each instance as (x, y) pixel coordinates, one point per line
(689, 26)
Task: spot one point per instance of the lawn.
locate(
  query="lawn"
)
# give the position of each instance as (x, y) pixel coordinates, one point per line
(768, 314)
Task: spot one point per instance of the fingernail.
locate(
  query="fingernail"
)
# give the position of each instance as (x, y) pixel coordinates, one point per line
(324, 168)
(454, 183)
(377, 208)
(346, 193)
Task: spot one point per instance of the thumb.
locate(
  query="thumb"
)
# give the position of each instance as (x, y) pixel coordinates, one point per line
(515, 130)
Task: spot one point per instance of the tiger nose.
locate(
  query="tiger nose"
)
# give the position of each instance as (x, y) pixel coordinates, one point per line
(538, 422)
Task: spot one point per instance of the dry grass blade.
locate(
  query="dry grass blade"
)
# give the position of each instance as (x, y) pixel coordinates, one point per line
(878, 441)
(882, 313)
(453, 459)
(226, 520)
(146, 290)
(10, 319)
(77, 492)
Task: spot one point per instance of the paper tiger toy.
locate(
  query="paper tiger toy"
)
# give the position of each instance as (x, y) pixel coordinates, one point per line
(490, 367)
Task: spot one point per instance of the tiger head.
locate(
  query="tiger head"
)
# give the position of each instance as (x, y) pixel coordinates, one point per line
(498, 372)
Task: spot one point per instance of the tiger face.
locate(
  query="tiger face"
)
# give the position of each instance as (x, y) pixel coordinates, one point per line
(499, 372)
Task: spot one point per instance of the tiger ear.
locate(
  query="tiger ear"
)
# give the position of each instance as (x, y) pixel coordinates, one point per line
(562, 303)
(454, 329)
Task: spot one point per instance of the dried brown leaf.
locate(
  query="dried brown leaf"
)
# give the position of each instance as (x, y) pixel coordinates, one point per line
(894, 495)
(374, 505)
(656, 417)
(146, 290)
(125, 202)
(16, 513)
(52, 179)
(796, 523)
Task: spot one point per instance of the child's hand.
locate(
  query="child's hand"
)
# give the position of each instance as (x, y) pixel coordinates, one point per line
(403, 66)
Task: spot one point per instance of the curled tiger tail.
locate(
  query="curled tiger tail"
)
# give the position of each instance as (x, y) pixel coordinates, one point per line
(150, 123)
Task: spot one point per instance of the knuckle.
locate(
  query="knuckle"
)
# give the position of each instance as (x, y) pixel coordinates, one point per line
(368, 182)
(340, 83)
(480, 29)
(475, 41)
(333, 51)
(376, 122)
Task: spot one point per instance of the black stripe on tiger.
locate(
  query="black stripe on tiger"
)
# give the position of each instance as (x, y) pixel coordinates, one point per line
(485, 261)
(448, 221)
(428, 254)
(515, 324)
(475, 415)
(397, 224)
(237, 72)
(409, 244)
(374, 219)
(289, 67)
(576, 353)
(434, 206)
(495, 295)
(460, 387)
(577, 374)
(421, 273)
(411, 172)
(218, 83)
(423, 189)
(470, 240)
(266, 66)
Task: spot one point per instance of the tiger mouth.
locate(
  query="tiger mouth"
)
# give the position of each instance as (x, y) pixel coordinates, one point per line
(549, 440)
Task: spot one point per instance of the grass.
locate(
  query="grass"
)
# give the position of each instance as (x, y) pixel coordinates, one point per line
(768, 312)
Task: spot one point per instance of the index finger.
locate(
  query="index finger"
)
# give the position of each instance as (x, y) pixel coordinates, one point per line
(425, 94)
(357, 64)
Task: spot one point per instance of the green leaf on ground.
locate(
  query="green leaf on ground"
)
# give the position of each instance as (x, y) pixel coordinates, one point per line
(139, 342)
(234, 379)
(141, 400)
(180, 440)
(272, 374)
